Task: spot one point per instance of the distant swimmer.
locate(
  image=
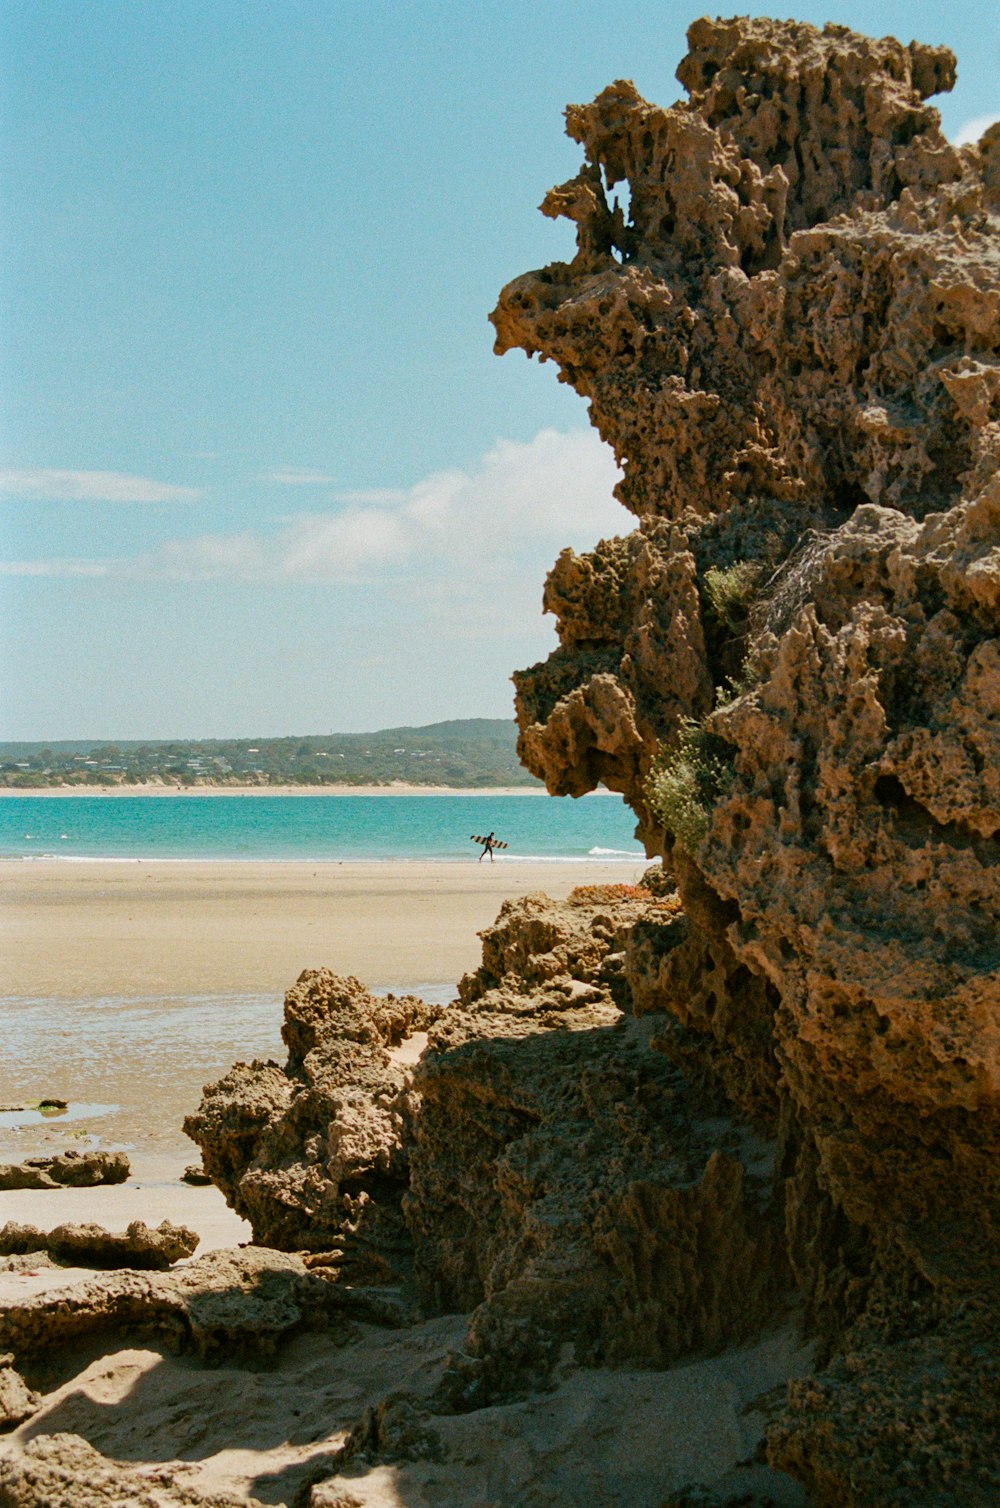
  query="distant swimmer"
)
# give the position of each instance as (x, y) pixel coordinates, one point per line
(489, 843)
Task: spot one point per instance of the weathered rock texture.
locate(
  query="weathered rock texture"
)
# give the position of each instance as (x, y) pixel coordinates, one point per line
(228, 1304)
(562, 1182)
(17, 1401)
(63, 1471)
(312, 1154)
(792, 342)
(65, 1170)
(139, 1246)
(567, 1184)
(655, 1117)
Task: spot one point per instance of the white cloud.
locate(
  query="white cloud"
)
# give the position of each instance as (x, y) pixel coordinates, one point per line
(971, 130)
(299, 476)
(91, 487)
(451, 544)
(378, 496)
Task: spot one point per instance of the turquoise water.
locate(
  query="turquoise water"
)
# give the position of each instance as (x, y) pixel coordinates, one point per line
(315, 828)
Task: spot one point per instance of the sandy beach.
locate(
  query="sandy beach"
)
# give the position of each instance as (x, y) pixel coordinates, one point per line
(131, 985)
(106, 928)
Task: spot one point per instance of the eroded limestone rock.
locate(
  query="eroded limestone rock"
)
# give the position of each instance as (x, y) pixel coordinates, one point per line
(792, 343)
(139, 1246)
(567, 1183)
(228, 1304)
(17, 1401)
(63, 1471)
(65, 1170)
(312, 1154)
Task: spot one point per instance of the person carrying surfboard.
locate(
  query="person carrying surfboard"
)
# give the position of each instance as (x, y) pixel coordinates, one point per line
(489, 843)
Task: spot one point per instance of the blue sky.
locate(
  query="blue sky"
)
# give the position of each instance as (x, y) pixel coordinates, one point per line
(260, 472)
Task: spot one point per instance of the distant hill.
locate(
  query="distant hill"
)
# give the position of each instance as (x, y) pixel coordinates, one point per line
(474, 751)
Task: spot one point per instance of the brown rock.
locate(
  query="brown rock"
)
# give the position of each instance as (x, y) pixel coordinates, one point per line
(17, 1401)
(566, 1183)
(229, 1304)
(63, 1471)
(313, 1153)
(792, 343)
(92, 1246)
(65, 1169)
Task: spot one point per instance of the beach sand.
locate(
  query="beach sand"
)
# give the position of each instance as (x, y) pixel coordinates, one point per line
(99, 928)
(131, 986)
(134, 984)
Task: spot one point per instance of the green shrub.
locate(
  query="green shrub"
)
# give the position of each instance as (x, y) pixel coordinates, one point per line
(686, 782)
(730, 592)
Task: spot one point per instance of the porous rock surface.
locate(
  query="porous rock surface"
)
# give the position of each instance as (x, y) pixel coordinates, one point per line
(568, 1185)
(557, 1179)
(90, 1245)
(227, 1304)
(17, 1401)
(792, 342)
(63, 1471)
(78, 1170)
(312, 1153)
(656, 1119)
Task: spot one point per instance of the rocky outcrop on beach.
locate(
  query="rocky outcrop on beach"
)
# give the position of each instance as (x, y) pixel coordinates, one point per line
(77, 1170)
(637, 1251)
(90, 1245)
(732, 1133)
(312, 1153)
(792, 341)
(569, 1186)
(224, 1306)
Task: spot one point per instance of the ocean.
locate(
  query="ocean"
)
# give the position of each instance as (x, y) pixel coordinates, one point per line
(317, 829)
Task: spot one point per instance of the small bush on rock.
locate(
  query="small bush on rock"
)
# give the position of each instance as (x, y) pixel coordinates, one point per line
(686, 782)
(730, 592)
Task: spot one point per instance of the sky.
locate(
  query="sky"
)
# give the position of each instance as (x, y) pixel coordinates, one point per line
(260, 472)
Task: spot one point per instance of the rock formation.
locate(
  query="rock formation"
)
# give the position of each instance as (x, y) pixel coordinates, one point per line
(312, 1154)
(661, 1120)
(791, 670)
(92, 1246)
(78, 1170)
(227, 1304)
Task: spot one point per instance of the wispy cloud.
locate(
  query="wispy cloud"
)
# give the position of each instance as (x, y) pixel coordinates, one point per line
(971, 130)
(377, 496)
(299, 476)
(452, 544)
(55, 567)
(51, 485)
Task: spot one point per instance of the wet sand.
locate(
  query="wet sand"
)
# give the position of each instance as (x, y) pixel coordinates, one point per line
(99, 928)
(131, 986)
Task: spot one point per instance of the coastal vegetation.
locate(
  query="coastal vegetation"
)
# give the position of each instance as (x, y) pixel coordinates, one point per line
(686, 782)
(477, 751)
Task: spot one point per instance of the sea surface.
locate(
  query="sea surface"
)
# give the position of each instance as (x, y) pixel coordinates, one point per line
(315, 828)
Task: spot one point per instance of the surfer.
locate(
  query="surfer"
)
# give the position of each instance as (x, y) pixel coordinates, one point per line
(490, 842)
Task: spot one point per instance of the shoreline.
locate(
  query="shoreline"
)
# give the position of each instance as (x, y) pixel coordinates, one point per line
(396, 788)
(126, 988)
(160, 927)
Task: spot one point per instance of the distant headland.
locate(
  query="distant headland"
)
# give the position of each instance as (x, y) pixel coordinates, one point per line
(475, 753)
